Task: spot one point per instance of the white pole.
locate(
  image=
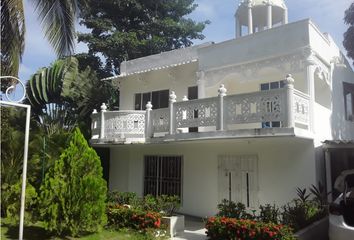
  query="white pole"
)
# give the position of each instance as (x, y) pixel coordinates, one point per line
(250, 19)
(269, 17)
(24, 172)
(25, 150)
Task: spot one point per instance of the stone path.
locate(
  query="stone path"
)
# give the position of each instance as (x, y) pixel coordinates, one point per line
(194, 230)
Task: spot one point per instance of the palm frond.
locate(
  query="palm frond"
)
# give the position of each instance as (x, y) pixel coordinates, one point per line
(12, 37)
(58, 22)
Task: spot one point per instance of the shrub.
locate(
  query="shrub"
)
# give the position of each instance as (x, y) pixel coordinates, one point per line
(244, 229)
(126, 217)
(269, 213)
(11, 200)
(73, 195)
(168, 205)
(121, 198)
(298, 214)
(231, 209)
(149, 203)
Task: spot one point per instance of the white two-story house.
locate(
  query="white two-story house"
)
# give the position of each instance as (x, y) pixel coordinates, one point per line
(243, 119)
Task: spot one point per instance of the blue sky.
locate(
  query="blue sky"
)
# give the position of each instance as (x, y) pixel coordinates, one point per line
(327, 15)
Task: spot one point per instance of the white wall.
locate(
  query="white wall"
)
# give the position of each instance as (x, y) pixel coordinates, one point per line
(176, 79)
(284, 164)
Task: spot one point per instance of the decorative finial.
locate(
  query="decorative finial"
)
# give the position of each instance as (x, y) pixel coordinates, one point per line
(289, 80)
(173, 97)
(222, 90)
(94, 111)
(103, 107)
(185, 98)
(148, 106)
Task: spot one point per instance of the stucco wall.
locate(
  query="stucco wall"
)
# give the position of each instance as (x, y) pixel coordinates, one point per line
(176, 79)
(283, 165)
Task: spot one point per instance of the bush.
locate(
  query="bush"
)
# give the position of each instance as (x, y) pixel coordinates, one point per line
(73, 195)
(168, 205)
(298, 214)
(244, 229)
(269, 213)
(231, 209)
(11, 200)
(121, 198)
(126, 217)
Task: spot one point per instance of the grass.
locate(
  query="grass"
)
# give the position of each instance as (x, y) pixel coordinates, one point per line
(37, 232)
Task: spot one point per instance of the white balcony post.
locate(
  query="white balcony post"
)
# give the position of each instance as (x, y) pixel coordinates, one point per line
(172, 120)
(221, 94)
(289, 86)
(269, 15)
(250, 19)
(285, 16)
(103, 110)
(148, 125)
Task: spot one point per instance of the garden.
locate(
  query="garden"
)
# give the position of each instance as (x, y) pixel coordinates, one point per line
(234, 221)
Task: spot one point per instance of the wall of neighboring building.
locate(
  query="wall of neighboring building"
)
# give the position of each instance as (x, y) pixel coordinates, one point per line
(283, 165)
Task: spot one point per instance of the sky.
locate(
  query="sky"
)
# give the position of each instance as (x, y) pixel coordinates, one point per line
(326, 14)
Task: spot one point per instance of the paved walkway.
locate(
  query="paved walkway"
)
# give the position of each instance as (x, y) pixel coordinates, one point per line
(194, 230)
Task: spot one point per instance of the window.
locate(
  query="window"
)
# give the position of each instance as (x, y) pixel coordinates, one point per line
(349, 101)
(269, 86)
(159, 99)
(163, 175)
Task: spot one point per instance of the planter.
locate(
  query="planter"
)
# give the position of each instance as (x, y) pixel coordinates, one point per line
(175, 224)
(317, 230)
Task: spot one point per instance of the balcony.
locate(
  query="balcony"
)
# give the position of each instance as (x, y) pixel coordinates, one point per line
(232, 116)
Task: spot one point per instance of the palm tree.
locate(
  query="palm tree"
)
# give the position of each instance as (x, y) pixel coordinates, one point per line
(57, 20)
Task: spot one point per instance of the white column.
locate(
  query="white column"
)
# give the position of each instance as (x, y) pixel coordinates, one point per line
(269, 16)
(328, 175)
(289, 86)
(310, 77)
(201, 84)
(103, 110)
(172, 115)
(148, 124)
(250, 19)
(221, 93)
(285, 16)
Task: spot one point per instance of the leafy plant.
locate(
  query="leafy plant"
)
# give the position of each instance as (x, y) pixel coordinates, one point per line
(73, 196)
(168, 205)
(269, 213)
(319, 193)
(302, 195)
(233, 210)
(245, 229)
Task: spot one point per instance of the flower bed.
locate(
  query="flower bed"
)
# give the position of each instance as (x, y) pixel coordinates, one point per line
(120, 216)
(232, 228)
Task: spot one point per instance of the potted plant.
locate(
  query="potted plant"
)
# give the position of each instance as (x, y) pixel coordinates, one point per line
(168, 206)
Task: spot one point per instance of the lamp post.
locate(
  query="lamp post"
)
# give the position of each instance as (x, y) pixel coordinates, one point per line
(16, 103)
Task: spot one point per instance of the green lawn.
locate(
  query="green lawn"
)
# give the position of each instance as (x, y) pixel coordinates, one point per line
(36, 232)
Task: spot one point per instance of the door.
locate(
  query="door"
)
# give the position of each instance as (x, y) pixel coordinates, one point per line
(238, 179)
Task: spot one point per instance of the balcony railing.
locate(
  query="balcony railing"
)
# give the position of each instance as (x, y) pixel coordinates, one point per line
(286, 106)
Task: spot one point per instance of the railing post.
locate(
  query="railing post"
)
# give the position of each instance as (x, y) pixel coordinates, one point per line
(148, 125)
(103, 110)
(221, 93)
(289, 87)
(172, 120)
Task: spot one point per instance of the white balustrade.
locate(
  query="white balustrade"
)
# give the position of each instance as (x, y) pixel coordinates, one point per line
(285, 105)
(160, 120)
(120, 125)
(301, 107)
(196, 113)
(255, 107)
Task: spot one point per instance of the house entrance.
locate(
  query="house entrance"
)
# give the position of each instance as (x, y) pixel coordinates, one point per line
(238, 179)
(163, 175)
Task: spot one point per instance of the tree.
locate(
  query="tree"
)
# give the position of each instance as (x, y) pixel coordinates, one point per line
(128, 29)
(63, 96)
(58, 22)
(349, 34)
(72, 199)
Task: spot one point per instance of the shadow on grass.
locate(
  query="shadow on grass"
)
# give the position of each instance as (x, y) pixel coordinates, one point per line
(29, 232)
